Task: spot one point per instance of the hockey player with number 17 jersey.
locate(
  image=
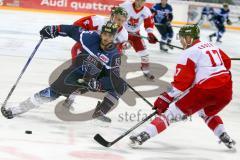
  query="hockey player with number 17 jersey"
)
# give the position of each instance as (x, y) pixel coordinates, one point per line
(202, 83)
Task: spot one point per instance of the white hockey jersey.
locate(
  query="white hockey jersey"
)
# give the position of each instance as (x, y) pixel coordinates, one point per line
(204, 65)
(137, 17)
(95, 22)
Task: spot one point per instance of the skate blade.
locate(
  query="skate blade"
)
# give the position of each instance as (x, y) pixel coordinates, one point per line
(133, 145)
(100, 123)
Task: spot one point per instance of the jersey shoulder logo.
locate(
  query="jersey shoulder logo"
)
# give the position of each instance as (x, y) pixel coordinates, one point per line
(88, 32)
(86, 22)
(133, 22)
(104, 58)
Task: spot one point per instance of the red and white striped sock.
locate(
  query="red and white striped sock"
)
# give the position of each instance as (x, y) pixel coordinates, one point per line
(215, 123)
(159, 124)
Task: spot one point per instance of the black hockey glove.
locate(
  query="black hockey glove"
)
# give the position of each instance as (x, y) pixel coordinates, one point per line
(49, 32)
(168, 23)
(229, 22)
(94, 85)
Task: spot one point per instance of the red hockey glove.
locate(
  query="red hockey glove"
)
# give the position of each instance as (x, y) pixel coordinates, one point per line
(151, 38)
(162, 102)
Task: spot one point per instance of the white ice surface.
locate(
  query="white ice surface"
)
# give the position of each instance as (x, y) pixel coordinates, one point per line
(53, 139)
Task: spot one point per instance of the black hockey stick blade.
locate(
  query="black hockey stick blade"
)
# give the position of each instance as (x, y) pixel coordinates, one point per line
(105, 143)
(102, 141)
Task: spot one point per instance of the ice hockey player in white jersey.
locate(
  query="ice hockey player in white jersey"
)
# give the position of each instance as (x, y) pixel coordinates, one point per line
(202, 83)
(95, 22)
(137, 15)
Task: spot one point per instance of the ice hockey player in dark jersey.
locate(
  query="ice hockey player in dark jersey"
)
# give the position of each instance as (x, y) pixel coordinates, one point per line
(97, 68)
(206, 14)
(162, 18)
(219, 19)
(94, 23)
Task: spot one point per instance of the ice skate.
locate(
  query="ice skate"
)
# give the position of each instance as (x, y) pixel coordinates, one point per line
(139, 139)
(104, 118)
(148, 75)
(7, 113)
(169, 44)
(99, 115)
(218, 40)
(211, 37)
(225, 138)
(13, 111)
(162, 47)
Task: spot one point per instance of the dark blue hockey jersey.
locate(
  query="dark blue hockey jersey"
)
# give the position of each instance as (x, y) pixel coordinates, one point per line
(162, 15)
(207, 11)
(90, 41)
(221, 16)
(97, 63)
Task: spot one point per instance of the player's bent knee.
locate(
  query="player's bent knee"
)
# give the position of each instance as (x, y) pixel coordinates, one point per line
(174, 114)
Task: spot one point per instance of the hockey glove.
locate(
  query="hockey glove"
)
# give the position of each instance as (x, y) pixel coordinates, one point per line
(94, 85)
(229, 22)
(126, 45)
(162, 102)
(151, 38)
(49, 32)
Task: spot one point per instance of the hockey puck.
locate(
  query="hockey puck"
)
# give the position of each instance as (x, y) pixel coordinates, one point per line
(28, 132)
